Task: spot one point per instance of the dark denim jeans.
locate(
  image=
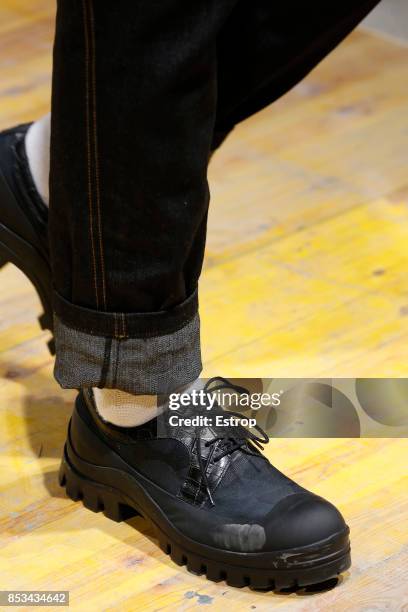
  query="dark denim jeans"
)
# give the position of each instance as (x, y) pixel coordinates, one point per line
(143, 91)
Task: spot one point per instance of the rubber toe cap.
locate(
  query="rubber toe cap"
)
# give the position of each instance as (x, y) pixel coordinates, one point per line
(301, 519)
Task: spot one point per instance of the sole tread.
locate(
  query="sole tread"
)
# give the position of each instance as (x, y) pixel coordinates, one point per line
(98, 498)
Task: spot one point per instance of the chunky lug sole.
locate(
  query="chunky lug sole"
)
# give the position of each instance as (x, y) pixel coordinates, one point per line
(19, 252)
(292, 568)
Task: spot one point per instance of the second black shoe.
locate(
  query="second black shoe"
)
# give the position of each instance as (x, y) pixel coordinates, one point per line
(23, 220)
(216, 503)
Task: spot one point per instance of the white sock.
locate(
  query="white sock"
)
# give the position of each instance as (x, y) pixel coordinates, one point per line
(127, 410)
(37, 145)
(124, 409)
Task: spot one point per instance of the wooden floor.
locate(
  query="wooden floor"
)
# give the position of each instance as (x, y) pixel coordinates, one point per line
(305, 275)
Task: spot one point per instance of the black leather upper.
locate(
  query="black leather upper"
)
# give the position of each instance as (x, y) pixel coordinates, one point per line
(21, 208)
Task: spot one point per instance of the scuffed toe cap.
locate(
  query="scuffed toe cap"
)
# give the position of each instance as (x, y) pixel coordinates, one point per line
(301, 519)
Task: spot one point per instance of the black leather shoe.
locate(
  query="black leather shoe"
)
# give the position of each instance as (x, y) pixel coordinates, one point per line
(216, 503)
(23, 220)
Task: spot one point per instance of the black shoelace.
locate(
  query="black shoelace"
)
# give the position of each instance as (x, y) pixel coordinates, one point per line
(244, 440)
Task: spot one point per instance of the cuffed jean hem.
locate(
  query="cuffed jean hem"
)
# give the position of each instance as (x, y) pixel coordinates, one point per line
(125, 324)
(139, 365)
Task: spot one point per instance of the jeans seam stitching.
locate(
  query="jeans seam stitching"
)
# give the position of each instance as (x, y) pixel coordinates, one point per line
(116, 365)
(106, 361)
(96, 155)
(92, 156)
(124, 330)
(88, 149)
